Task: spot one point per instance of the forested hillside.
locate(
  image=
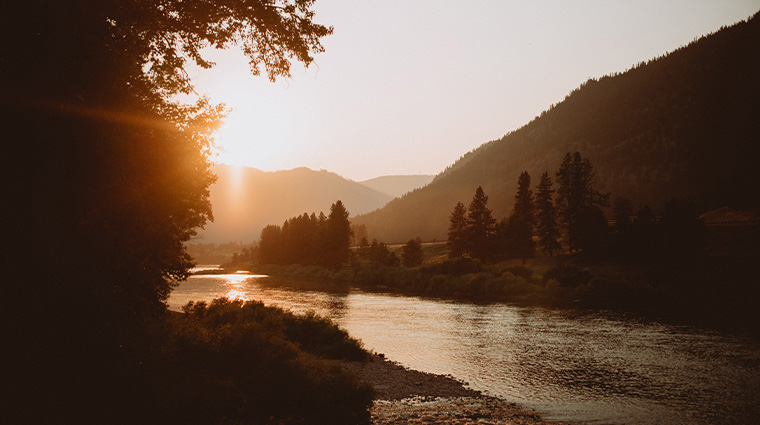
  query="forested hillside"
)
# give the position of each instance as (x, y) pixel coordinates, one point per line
(685, 125)
(246, 199)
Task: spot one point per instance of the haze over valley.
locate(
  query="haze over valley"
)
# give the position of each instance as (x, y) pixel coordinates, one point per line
(245, 199)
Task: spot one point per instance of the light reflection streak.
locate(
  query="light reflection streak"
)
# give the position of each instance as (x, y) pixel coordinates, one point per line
(237, 287)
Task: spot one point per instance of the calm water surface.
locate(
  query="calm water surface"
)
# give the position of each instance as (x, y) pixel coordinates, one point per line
(596, 367)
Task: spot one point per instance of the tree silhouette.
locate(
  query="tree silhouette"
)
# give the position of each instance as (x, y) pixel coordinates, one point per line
(481, 227)
(379, 253)
(337, 237)
(457, 240)
(413, 253)
(89, 97)
(270, 245)
(113, 174)
(579, 204)
(548, 232)
(519, 226)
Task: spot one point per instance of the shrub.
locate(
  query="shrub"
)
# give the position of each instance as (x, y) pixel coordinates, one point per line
(568, 275)
(521, 271)
(453, 267)
(250, 363)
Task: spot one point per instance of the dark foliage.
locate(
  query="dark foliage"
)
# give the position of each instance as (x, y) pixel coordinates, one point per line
(337, 237)
(568, 275)
(546, 217)
(307, 240)
(675, 235)
(109, 178)
(246, 362)
(378, 253)
(579, 204)
(454, 267)
(457, 239)
(413, 253)
(480, 233)
(517, 231)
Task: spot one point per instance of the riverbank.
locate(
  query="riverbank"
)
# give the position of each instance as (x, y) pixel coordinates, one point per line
(405, 396)
(714, 292)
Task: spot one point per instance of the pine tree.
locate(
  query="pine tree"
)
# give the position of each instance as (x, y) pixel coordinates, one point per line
(564, 178)
(523, 208)
(579, 204)
(548, 230)
(458, 231)
(481, 227)
(338, 237)
(270, 245)
(519, 237)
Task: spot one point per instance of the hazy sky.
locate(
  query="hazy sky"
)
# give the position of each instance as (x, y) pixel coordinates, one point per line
(407, 87)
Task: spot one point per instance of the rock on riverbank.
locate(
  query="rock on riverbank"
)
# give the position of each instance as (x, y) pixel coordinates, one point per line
(406, 396)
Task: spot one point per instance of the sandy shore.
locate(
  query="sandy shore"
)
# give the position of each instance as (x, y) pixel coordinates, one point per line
(407, 396)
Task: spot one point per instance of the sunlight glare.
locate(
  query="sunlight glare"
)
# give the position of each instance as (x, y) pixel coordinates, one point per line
(238, 289)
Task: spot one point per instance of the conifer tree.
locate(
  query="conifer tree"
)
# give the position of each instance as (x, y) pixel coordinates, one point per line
(519, 228)
(579, 204)
(564, 178)
(270, 245)
(481, 227)
(338, 237)
(523, 208)
(458, 231)
(548, 231)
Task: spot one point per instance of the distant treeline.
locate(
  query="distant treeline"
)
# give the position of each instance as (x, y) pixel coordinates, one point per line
(571, 218)
(306, 239)
(319, 240)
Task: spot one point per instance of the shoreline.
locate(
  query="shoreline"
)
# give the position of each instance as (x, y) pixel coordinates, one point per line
(406, 396)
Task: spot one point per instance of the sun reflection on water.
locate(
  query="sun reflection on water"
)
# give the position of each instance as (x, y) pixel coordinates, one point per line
(237, 286)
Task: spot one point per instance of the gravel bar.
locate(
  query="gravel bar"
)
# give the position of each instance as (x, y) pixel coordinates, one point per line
(405, 396)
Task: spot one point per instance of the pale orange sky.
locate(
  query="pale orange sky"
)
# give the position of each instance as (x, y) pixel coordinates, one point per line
(407, 87)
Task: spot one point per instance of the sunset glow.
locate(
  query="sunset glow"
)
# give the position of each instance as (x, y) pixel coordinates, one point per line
(401, 93)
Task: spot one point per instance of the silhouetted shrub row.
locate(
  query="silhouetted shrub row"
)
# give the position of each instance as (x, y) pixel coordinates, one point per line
(250, 363)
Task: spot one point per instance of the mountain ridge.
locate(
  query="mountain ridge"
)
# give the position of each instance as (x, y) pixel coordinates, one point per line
(246, 199)
(683, 125)
(397, 185)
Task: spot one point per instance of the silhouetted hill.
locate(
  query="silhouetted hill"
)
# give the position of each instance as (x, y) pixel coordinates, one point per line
(246, 199)
(684, 125)
(395, 186)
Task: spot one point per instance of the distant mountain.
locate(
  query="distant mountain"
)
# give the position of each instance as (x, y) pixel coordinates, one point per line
(246, 199)
(395, 186)
(685, 125)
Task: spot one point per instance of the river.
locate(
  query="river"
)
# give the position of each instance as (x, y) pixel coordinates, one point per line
(594, 367)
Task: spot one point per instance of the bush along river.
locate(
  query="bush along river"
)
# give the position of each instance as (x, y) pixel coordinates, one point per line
(589, 366)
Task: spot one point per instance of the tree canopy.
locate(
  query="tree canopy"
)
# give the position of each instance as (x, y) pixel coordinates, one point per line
(519, 227)
(457, 240)
(109, 174)
(88, 96)
(548, 233)
(481, 226)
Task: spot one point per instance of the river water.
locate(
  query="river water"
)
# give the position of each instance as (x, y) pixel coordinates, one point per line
(595, 367)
